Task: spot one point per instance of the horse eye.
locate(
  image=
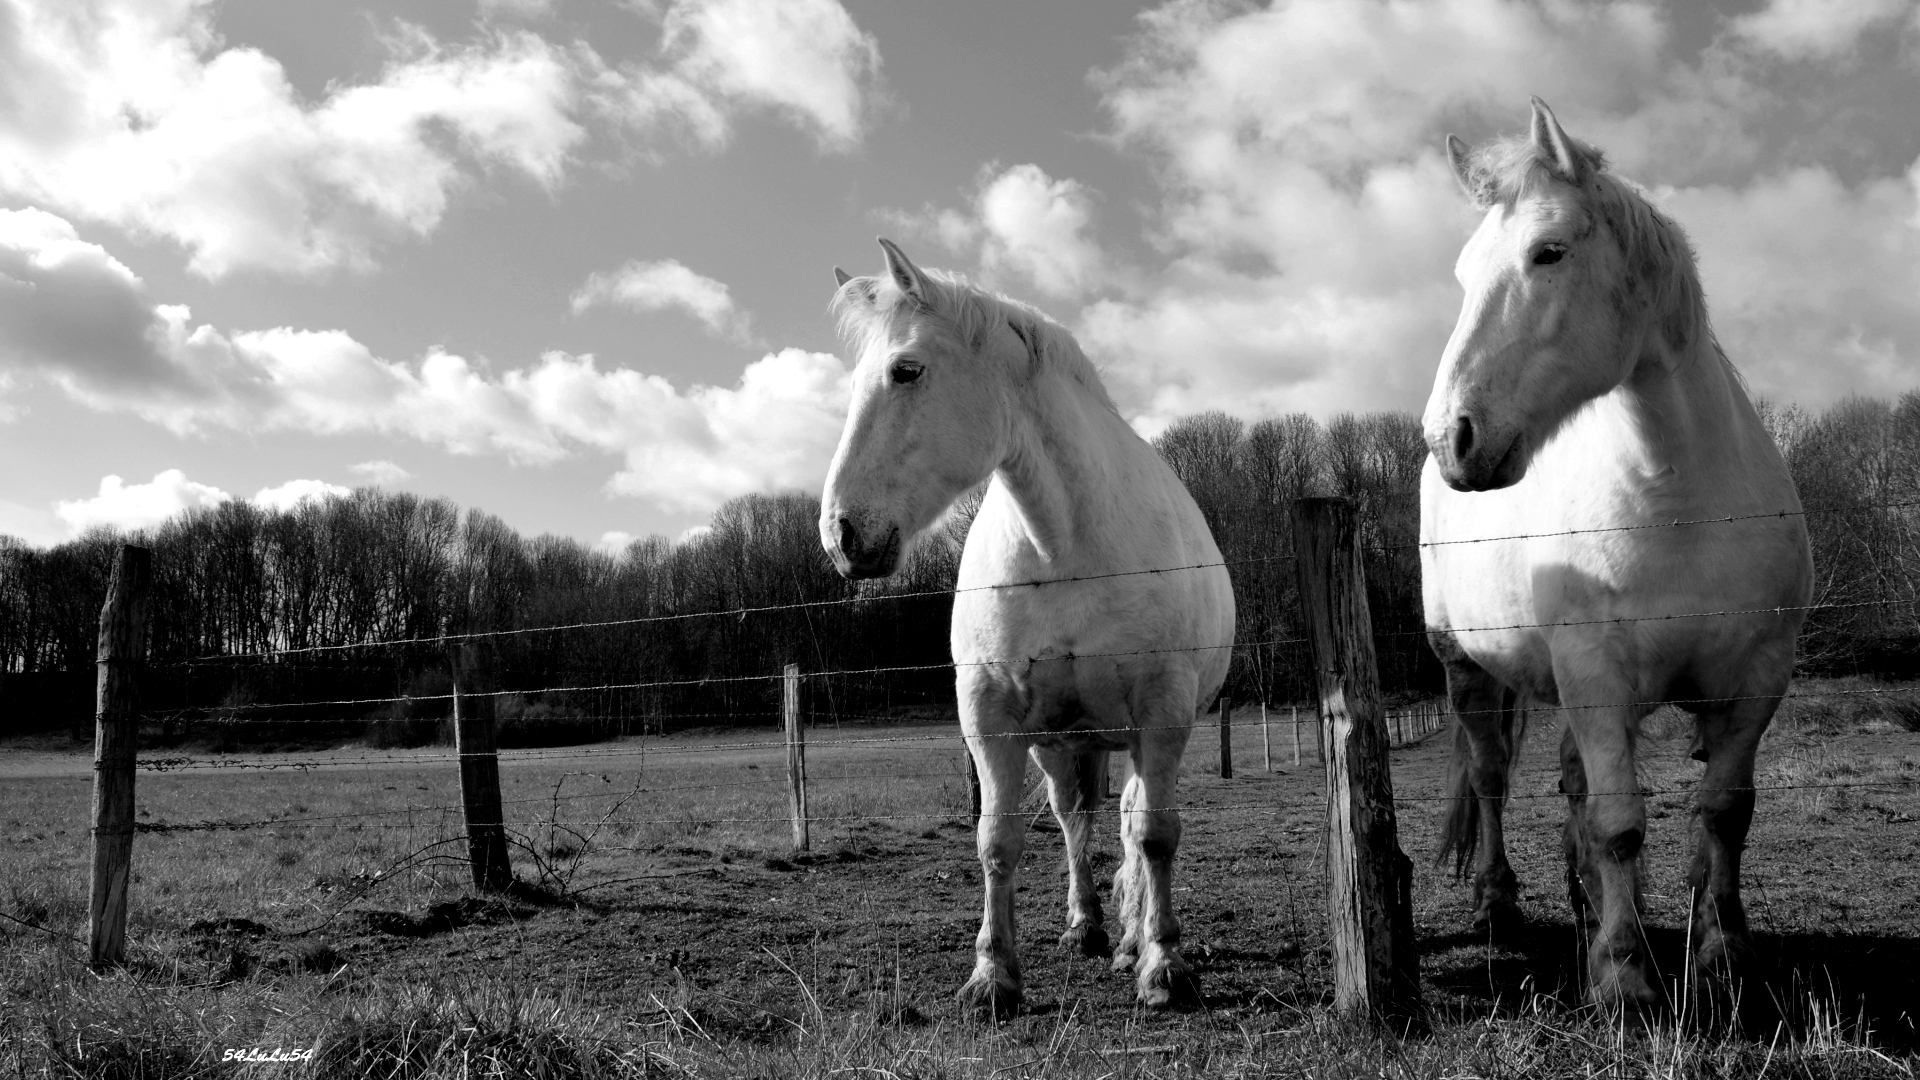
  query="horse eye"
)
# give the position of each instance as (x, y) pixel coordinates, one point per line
(906, 372)
(1550, 254)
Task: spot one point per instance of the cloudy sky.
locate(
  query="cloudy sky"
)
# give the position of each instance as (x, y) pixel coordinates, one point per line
(568, 261)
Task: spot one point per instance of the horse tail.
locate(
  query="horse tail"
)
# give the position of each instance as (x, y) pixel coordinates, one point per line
(1460, 827)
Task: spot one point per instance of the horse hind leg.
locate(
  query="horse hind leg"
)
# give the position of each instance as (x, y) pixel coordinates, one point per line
(1074, 781)
(1486, 724)
(1126, 883)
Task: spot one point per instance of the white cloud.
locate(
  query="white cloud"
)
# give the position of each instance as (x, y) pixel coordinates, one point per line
(132, 114)
(663, 284)
(1036, 228)
(613, 542)
(1025, 227)
(294, 492)
(130, 507)
(1815, 29)
(72, 315)
(804, 60)
(381, 473)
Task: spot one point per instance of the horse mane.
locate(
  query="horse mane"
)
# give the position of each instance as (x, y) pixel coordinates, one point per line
(868, 310)
(1660, 259)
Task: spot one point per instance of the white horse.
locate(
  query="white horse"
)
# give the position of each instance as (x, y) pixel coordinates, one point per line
(955, 385)
(1584, 400)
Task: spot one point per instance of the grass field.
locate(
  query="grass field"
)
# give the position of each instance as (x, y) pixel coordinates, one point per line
(666, 927)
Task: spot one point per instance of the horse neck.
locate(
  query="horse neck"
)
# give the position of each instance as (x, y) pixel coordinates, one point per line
(1690, 413)
(1063, 466)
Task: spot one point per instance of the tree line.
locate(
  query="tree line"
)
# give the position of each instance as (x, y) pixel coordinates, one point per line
(269, 616)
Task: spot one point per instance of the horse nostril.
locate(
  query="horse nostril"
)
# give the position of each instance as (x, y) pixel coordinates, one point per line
(849, 537)
(1462, 438)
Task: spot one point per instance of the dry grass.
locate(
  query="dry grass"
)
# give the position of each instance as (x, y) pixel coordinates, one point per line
(152, 1023)
(187, 996)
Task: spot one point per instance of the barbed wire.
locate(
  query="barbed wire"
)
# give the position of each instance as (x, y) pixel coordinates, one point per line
(716, 679)
(1677, 523)
(738, 612)
(747, 610)
(783, 819)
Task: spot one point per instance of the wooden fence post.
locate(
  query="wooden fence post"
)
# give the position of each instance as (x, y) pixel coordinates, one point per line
(116, 738)
(1370, 880)
(1296, 734)
(1266, 737)
(796, 758)
(478, 747)
(1226, 738)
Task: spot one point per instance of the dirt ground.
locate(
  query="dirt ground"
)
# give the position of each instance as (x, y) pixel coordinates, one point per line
(751, 938)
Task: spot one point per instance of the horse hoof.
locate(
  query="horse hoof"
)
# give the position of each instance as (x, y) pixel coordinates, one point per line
(1087, 939)
(1123, 960)
(989, 998)
(1172, 985)
(1722, 955)
(1498, 917)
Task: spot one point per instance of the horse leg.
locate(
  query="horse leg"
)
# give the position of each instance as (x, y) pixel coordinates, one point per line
(1483, 752)
(995, 987)
(1073, 787)
(1723, 811)
(1611, 827)
(1580, 870)
(1150, 828)
(1126, 883)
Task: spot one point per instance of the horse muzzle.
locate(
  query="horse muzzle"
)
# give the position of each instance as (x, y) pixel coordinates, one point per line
(858, 553)
(1473, 459)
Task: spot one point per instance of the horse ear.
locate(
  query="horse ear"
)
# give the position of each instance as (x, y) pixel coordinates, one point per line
(1457, 151)
(905, 274)
(841, 277)
(1551, 140)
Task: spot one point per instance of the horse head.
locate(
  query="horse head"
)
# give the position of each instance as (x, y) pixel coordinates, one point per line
(1571, 281)
(929, 416)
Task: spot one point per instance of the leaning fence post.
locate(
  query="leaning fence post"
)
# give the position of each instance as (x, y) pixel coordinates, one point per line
(796, 757)
(116, 737)
(478, 747)
(1226, 738)
(1370, 880)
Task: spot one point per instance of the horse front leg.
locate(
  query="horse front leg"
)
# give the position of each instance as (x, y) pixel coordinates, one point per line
(1723, 811)
(995, 988)
(1150, 830)
(1485, 719)
(1073, 787)
(1609, 820)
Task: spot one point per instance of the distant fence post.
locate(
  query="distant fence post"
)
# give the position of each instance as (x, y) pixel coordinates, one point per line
(1226, 738)
(796, 757)
(478, 747)
(116, 738)
(1266, 738)
(1370, 880)
(1296, 734)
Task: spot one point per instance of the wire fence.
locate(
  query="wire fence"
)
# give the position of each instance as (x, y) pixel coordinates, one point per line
(637, 806)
